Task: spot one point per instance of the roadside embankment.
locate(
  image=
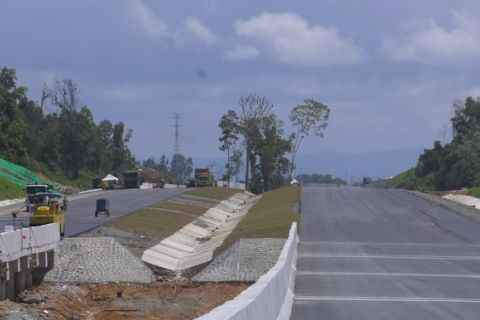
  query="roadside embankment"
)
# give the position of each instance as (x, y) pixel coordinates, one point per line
(458, 207)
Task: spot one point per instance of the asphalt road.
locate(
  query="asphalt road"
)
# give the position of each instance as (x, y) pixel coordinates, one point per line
(384, 254)
(81, 212)
(80, 216)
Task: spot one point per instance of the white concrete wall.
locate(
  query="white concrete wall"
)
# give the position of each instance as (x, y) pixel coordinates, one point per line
(271, 297)
(233, 184)
(27, 241)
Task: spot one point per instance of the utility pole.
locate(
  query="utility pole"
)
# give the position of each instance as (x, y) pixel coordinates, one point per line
(176, 133)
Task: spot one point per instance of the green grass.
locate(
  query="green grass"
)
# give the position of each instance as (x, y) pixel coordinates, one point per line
(152, 222)
(216, 193)
(9, 190)
(270, 217)
(474, 192)
(160, 221)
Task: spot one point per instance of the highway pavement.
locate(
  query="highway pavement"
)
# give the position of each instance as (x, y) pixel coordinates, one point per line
(80, 216)
(81, 212)
(384, 254)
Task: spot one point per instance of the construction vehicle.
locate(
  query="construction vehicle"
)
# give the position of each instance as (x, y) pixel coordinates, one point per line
(203, 177)
(131, 179)
(48, 208)
(33, 189)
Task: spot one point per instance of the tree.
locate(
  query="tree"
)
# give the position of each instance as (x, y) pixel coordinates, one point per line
(163, 165)
(271, 149)
(311, 116)
(235, 163)
(181, 168)
(229, 127)
(253, 110)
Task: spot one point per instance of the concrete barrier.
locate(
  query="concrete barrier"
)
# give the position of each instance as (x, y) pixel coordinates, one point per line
(25, 254)
(271, 297)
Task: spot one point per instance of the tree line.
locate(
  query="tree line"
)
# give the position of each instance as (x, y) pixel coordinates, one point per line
(452, 165)
(256, 133)
(57, 134)
(178, 170)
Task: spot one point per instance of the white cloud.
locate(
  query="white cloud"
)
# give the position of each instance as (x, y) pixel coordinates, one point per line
(241, 53)
(150, 24)
(292, 40)
(194, 30)
(435, 44)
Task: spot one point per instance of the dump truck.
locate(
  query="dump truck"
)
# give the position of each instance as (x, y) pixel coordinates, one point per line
(203, 177)
(131, 179)
(48, 208)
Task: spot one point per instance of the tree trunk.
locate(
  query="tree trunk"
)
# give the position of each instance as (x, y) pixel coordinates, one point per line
(247, 164)
(228, 167)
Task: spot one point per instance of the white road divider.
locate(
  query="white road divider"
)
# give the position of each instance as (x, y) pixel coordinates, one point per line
(27, 241)
(271, 297)
(194, 243)
(465, 200)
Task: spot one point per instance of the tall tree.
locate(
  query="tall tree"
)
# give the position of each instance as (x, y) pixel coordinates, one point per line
(180, 168)
(229, 127)
(274, 165)
(253, 110)
(236, 163)
(311, 116)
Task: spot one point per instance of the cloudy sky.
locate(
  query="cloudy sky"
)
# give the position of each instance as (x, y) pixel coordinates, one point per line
(389, 70)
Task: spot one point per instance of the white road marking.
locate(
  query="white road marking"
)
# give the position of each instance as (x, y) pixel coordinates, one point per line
(411, 244)
(387, 274)
(384, 299)
(373, 256)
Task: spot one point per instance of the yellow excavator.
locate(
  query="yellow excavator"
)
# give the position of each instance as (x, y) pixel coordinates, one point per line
(48, 208)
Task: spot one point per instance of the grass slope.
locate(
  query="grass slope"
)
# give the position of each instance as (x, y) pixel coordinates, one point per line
(270, 217)
(10, 191)
(165, 218)
(213, 192)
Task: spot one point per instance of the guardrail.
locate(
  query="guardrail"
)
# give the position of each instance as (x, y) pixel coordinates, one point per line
(271, 297)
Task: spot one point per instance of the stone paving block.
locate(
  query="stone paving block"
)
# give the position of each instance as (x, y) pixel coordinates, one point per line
(245, 261)
(96, 260)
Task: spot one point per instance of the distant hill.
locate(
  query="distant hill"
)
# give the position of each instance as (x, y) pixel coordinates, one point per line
(349, 166)
(379, 164)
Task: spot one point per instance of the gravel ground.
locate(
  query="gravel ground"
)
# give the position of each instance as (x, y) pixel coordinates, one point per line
(245, 261)
(96, 260)
(454, 206)
(136, 243)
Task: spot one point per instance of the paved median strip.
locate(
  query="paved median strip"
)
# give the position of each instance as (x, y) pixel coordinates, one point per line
(386, 274)
(372, 256)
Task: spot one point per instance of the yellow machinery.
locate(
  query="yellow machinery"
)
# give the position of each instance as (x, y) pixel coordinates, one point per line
(48, 208)
(203, 177)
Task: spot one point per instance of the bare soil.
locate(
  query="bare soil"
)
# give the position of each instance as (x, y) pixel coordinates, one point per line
(162, 300)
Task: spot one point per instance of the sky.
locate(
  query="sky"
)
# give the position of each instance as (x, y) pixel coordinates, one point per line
(389, 70)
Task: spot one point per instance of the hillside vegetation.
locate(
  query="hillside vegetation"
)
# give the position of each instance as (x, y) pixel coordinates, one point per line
(449, 166)
(57, 135)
